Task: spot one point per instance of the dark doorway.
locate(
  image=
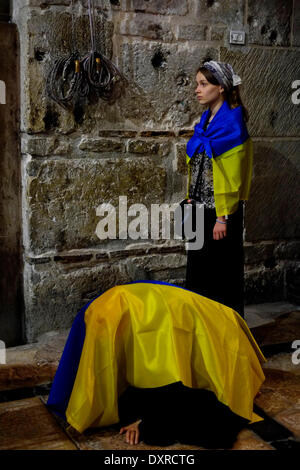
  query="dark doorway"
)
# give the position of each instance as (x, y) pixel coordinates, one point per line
(5, 10)
(11, 308)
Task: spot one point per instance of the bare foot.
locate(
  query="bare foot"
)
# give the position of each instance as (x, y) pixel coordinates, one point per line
(132, 432)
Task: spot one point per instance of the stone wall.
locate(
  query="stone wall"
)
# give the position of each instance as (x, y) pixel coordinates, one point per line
(74, 161)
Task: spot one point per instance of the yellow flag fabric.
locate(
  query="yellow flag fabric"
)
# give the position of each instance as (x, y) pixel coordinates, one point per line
(151, 334)
(232, 174)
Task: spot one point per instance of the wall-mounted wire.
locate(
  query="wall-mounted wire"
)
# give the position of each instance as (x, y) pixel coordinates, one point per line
(73, 78)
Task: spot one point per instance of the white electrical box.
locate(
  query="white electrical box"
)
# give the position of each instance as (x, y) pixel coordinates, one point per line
(237, 37)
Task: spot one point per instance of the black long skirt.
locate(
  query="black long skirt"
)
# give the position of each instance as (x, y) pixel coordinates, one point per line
(176, 413)
(216, 270)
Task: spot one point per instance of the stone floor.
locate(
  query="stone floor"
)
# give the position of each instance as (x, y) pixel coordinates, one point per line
(25, 381)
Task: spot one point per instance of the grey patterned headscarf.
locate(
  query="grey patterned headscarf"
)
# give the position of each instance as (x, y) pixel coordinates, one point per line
(224, 73)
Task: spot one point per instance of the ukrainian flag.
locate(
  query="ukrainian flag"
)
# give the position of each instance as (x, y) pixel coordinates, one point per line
(228, 143)
(149, 334)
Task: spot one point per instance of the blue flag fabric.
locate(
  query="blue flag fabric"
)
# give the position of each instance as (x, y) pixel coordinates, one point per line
(226, 131)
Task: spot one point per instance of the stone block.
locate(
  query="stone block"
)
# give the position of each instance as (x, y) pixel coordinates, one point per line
(39, 3)
(259, 252)
(151, 263)
(53, 297)
(290, 418)
(28, 425)
(220, 12)
(272, 309)
(149, 147)
(283, 361)
(264, 285)
(267, 94)
(101, 145)
(157, 262)
(272, 209)
(23, 354)
(269, 22)
(285, 329)
(43, 4)
(180, 164)
(154, 69)
(288, 250)
(147, 26)
(282, 387)
(192, 32)
(102, 4)
(52, 31)
(283, 382)
(272, 402)
(38, 146)
(22, 375)
(46, 351)
(296, 25)
(173, 275)
(172, 7)
(62, 148)
(44, 146)
(218, 33)
(293, 282)
(62, 199)
(248, 440)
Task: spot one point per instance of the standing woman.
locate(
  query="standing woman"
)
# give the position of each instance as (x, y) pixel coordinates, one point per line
(220, 159)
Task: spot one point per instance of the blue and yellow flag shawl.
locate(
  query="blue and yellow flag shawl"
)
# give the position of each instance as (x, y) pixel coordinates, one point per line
(149, 334)
(227, 142)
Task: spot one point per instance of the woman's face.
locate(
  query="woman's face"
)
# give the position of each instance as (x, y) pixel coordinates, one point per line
(207, 93)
